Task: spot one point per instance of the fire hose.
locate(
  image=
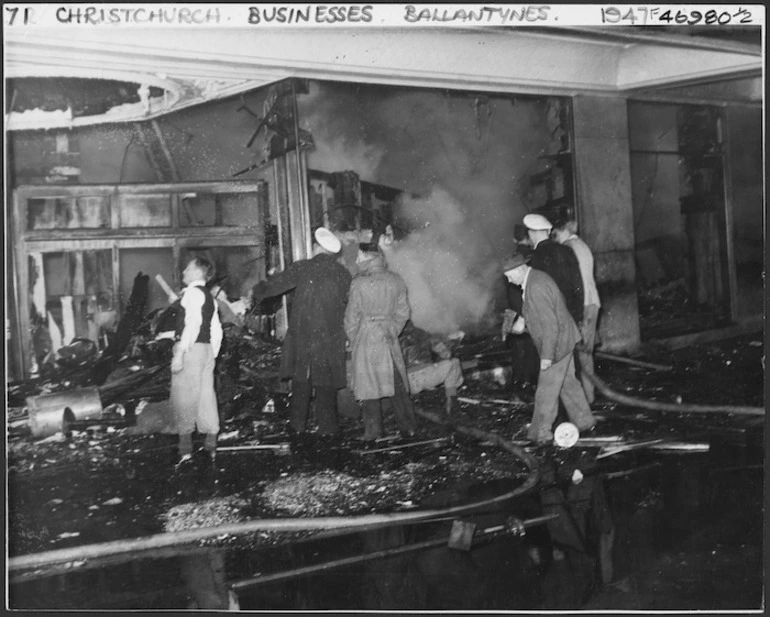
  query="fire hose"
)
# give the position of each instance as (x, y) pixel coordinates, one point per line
(327, 526)
(632, 401)
(512, 527)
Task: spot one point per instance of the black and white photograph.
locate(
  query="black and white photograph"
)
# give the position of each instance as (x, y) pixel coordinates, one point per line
(385, 307)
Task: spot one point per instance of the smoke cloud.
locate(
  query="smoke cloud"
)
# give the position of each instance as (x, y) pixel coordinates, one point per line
(467, 156)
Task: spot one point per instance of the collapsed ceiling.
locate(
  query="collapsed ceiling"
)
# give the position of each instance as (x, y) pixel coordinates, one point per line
(80, 96)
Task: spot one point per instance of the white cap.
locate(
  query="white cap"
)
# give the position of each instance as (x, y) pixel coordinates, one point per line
(566, 435)
(328, 240)
(537, 222)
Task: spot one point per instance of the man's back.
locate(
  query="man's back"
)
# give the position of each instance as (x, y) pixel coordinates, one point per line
(547, 318)
(561, 264)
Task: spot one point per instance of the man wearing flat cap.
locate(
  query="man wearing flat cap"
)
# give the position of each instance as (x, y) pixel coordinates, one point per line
(555, 335)
(313, 351)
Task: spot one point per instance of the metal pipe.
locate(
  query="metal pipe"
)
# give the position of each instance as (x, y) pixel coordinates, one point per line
(670, 407)
(485, 534)
(304, 208)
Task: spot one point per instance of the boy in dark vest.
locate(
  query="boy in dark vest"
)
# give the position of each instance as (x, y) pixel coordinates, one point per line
(199, 337)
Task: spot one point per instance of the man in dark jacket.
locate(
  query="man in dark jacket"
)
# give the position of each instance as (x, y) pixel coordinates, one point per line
(555, 335)
(557, 261)
(313, 352)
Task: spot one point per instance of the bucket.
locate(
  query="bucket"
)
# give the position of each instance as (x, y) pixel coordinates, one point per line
(48, 413)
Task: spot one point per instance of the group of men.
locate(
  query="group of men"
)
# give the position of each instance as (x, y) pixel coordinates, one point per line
(553, 296)
(344, 333)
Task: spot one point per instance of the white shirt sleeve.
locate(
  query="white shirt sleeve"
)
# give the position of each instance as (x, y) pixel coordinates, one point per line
(192, 303)
(216, 330)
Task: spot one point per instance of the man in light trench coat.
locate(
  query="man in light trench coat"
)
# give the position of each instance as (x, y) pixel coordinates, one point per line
(376, 313)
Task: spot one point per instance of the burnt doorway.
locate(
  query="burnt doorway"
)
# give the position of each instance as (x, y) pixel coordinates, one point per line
(677, 170)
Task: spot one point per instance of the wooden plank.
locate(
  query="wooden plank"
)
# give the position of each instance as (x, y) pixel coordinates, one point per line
(38, 289)
(118, 304)
(23, 295)
(729, 218)
(68, 319)
(150, 242)
(136, 232)
(164, 149)
(78, 277)
(114, 210)
(67, 272)
(175, 199)
(232, 241)
(234, 186)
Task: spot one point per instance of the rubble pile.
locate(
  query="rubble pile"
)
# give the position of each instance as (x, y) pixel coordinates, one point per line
(209, 513)
(103, 482)
(58, 452)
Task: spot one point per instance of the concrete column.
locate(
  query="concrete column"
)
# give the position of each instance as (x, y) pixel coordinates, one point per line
(605, 213)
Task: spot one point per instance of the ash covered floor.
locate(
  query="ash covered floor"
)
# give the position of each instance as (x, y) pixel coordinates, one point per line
(688, 525)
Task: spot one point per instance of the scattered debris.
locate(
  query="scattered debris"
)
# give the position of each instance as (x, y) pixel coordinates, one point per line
(210, 513)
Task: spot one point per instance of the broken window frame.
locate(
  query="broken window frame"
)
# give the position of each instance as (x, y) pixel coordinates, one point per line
(116, 238)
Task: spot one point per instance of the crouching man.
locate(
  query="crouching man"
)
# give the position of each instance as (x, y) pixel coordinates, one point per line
(199, 338)
(555, 335)
(429, 364)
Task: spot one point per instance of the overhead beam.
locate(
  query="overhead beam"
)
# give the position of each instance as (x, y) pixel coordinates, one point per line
(679, 41)
(648, 66)
(561, 62)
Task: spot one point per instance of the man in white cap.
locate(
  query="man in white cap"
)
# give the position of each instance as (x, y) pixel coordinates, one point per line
(313, 352)
(555, 335)
(566, 234)
(557, 261)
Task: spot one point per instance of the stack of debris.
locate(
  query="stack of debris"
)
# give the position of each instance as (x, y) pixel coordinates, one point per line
(135, 369)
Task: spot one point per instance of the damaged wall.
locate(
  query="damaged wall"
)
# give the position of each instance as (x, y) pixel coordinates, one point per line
(666, 247)
(467, 157)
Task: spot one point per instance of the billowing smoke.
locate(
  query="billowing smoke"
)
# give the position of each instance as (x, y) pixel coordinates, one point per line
(467, 156)
(334, 117)
(450, 282)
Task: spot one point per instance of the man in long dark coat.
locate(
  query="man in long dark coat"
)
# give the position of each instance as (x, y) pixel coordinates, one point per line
(313, 352)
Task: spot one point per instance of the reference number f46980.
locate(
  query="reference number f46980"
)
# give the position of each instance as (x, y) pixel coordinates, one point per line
(647, 16)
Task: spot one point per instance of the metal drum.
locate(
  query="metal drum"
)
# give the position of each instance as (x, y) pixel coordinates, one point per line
(49, 413)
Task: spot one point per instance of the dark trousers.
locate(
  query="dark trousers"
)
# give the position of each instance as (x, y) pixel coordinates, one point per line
(525, 361)
(325, 407)
(373, 409)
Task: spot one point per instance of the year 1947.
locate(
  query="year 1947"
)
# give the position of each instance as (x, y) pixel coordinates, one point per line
(644, 15)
